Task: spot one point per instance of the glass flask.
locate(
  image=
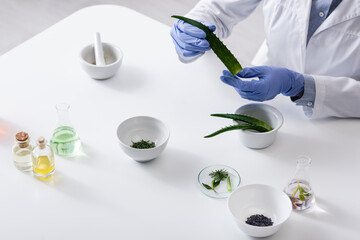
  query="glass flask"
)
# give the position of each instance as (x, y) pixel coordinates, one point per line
(65, 141)
(43, 160)
(22, 151)
(299, 188)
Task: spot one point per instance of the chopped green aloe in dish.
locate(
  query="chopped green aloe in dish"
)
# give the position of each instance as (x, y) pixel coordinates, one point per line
(142, 144)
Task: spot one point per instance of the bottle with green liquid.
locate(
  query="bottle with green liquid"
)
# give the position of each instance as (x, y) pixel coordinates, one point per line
(65, 141)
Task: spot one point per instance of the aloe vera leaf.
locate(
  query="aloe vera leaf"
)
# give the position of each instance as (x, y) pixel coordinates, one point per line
(207, 186)
(235, 127)
(293, 195)
(229, 184)
(302, 198)
(216, 183)
(245, 118)
(219, 48)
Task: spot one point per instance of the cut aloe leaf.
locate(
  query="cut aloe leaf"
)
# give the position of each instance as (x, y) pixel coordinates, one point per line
(229, 184)
(236, 127)
(245, 118)
(216, 45)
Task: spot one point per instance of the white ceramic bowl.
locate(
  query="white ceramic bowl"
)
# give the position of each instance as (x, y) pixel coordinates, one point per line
(143, 128)
(266, 113)
(113, 58)
(259, 199)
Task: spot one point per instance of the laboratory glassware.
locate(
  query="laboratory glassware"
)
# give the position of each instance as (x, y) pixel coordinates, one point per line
(65, 140)
(22, 151)
(299, 188)
(43, 160)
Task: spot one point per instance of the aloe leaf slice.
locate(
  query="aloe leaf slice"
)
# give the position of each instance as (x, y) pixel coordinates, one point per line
(229, 184)
(236, 127)
(216, 45)
(245, 118)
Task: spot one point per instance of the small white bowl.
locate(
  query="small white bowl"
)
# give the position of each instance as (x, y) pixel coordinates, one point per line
(113, 58)
(266, 113)
(259, 199)
(143, 128)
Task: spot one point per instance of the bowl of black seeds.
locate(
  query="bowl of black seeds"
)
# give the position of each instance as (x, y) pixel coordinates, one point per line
(259, 220)
(259, 210)
(143, 138)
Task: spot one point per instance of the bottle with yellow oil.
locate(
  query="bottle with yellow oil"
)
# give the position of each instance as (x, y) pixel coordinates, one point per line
(43, 160)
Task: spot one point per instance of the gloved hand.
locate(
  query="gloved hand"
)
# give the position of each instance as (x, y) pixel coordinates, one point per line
(189, 40)
(272, 81)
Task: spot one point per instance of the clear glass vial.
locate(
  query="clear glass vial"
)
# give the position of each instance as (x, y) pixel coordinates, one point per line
(299, 188)
(22, 152)
(43, 160)
(65, 140)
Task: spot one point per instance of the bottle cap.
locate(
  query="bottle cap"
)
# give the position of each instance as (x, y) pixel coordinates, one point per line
(22, 136)
(41, 142)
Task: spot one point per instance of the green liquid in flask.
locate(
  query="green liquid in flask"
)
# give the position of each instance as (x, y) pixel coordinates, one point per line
(65, 141)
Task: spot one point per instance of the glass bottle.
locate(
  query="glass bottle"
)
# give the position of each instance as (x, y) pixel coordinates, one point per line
(43, 160)
(65, 141)
(22, 151)
(299, 188)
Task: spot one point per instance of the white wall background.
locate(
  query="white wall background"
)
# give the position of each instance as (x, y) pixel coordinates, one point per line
(22, 19)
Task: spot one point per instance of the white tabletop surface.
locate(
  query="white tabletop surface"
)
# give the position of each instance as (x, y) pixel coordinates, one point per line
(103, 194)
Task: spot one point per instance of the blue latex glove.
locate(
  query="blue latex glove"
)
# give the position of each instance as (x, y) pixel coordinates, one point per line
(189, 40)
(272, 81)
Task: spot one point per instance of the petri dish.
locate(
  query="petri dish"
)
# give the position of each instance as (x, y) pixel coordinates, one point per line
(221, 189)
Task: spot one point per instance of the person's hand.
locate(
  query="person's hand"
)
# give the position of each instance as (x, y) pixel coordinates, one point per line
(272, 81)
(189, 40)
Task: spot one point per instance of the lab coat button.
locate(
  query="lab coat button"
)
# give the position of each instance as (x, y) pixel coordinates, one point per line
(309, 104)
(321, 14)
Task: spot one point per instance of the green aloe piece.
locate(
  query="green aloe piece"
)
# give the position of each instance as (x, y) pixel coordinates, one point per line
(302, 198)
(245, 118)
(302, 193)
(236, 127)
(223, 53)
(215, 183)
(229, 184)
(207, 186)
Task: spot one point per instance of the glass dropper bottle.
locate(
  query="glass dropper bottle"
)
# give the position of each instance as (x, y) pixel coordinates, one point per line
(65, 140)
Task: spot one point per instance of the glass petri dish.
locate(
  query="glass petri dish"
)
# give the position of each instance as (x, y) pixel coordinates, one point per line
(221, 189)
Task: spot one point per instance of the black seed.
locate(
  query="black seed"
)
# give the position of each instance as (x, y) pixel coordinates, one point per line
(259, 220)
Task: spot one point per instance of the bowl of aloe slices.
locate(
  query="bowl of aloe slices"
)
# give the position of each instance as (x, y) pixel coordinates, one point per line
(258, 124)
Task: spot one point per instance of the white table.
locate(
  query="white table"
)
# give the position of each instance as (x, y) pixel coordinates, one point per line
(104, 194)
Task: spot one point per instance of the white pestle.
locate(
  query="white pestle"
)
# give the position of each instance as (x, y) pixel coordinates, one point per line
(99, 52)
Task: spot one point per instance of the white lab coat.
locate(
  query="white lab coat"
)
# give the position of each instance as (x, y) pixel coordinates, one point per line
(332, 55)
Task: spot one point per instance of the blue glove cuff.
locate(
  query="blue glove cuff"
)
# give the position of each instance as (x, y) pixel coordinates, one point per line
(296, 85)
(308, 99)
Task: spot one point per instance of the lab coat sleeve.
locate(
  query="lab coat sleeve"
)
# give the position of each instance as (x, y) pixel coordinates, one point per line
(308, 98)
(336, 96)
(224, 14)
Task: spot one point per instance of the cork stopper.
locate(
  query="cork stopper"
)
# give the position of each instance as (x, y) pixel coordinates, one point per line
(22, 139)
(41, 142)
(22, 136)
